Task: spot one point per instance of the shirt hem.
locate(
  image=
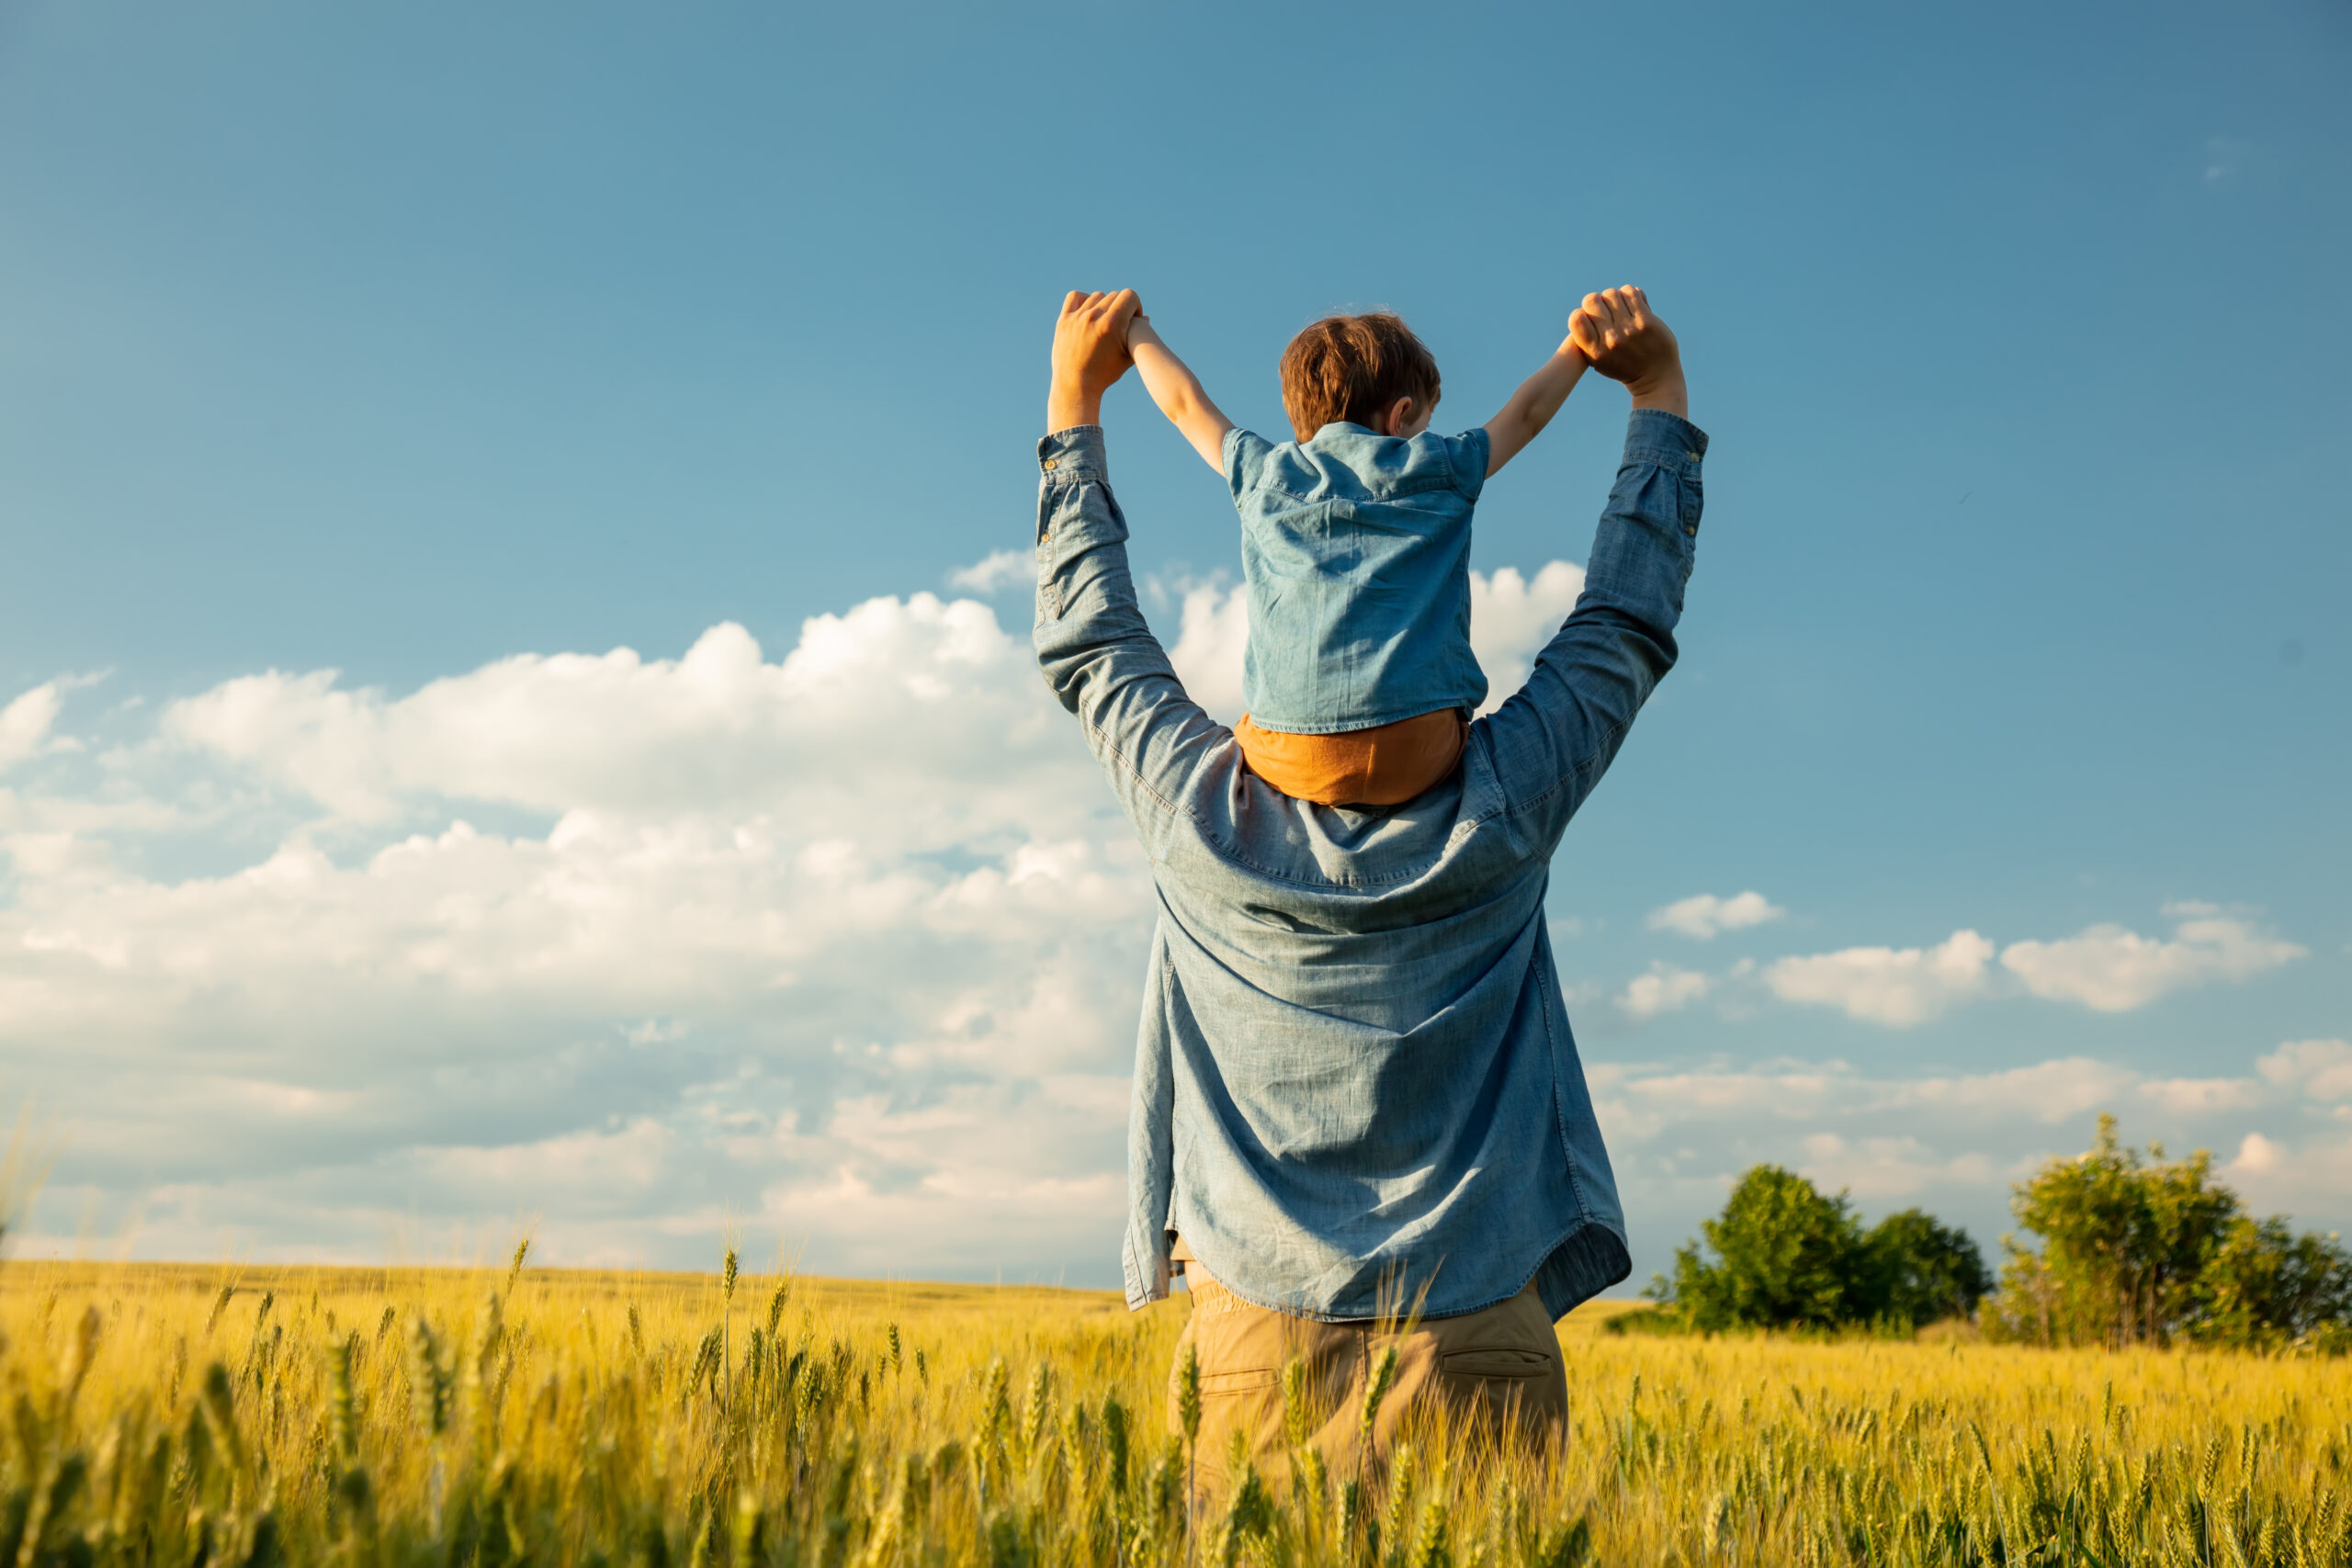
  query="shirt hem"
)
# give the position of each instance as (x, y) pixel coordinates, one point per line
(1467, 703)
(1588, 1259)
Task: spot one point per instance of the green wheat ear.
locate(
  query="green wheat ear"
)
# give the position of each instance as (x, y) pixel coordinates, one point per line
(727, 1277)
(1188, 1394)
(1295, 1402)
(1375, 1389)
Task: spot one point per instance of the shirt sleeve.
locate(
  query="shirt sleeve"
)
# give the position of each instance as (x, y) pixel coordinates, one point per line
(1469, 452)
(1095, 650)
(1553, 740)
(1244, 460)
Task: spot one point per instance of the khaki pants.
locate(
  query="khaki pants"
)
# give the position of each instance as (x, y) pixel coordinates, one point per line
(1496, 1372)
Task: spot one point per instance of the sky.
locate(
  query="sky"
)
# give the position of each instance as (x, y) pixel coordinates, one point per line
(516, 711)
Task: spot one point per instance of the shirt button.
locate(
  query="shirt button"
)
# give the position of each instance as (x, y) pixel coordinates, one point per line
(1692, 455)
(1692, 531)
(1049, 465)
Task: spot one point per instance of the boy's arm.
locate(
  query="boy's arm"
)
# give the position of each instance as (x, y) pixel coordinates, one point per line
(1531, 407)
(1178, 392)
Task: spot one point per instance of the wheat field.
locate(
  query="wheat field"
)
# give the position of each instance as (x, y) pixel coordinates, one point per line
(193, 1415)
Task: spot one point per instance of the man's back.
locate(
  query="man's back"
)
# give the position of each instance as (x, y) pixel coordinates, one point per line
(1354, 1071)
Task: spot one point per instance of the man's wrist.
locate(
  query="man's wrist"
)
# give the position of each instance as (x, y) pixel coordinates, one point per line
(1069, 406)
(1668, 392)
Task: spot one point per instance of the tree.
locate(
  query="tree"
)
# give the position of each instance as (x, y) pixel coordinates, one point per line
(1785, 1258)
(2142, 1250)
(2264, 1288)
(1922, 1269)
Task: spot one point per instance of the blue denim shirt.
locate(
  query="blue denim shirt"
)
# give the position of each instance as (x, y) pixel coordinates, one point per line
(1356, 550)
(1354, 1069)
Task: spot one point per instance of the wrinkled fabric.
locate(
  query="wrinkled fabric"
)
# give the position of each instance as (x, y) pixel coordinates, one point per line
(1355, 557)
(1354, 1078)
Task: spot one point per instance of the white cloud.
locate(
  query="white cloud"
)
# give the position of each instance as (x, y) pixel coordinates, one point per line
(1705, 915)
(25, 724)
(2320, 1069)
(999, 570)
(2110, 969)
(644, 940)
(1212, 634)
(1885, 985)
(2258, 1156)
(2050, 1091)
(2105, 968)
(2183, 1097)
(1664, 990)
(1512, 618)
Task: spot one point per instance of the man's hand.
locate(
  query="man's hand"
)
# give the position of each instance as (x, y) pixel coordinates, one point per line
(1090, 354)
(1627, 343)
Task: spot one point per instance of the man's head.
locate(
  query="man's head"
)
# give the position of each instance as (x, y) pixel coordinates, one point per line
(1369, 370)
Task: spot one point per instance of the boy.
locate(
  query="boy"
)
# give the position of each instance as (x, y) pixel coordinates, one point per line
(1355, 549)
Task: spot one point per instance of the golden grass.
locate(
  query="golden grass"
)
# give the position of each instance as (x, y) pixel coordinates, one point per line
(458, 1416)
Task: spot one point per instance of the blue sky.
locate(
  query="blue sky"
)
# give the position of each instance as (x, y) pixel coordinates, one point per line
(399, 344)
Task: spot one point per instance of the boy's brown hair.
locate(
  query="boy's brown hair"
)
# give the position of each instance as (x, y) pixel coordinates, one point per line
(1352, 369)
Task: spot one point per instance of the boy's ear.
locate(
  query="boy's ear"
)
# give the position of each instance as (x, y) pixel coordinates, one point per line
(1394, 416)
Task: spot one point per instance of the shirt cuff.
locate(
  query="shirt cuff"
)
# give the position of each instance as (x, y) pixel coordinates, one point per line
(1654, 435)
(1076, 453)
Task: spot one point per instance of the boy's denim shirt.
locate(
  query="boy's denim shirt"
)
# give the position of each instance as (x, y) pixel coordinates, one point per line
(1355, 549)
(1354, 1076)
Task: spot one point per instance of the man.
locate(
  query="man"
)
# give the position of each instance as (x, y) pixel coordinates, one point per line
(1355, 1090)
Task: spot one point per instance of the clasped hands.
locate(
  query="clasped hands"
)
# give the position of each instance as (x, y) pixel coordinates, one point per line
(1614, 329)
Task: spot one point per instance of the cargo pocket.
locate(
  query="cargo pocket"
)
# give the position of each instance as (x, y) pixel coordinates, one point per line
(1495, 1363)
(1215, 1383)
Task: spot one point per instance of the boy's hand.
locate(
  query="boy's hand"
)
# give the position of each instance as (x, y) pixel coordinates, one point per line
(1090, 354)
(1626, 342)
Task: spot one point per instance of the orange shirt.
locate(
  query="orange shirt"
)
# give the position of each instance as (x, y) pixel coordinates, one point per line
(1386, 765)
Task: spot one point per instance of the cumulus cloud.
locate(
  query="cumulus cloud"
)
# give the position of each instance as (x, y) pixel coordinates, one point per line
(26, 722)
(1664, 990)
(1212, 632)
(2111, 969)
(1705, 915)
(2105, 968)
(2319, 1068)
(635, 942)
(1000, 571)
(1511, 617)
(1886, 984)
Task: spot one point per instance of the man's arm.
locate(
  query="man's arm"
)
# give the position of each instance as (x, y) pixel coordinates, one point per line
(1093, 644)
(1178, 392)
(1552, 741)
(1531, 407)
